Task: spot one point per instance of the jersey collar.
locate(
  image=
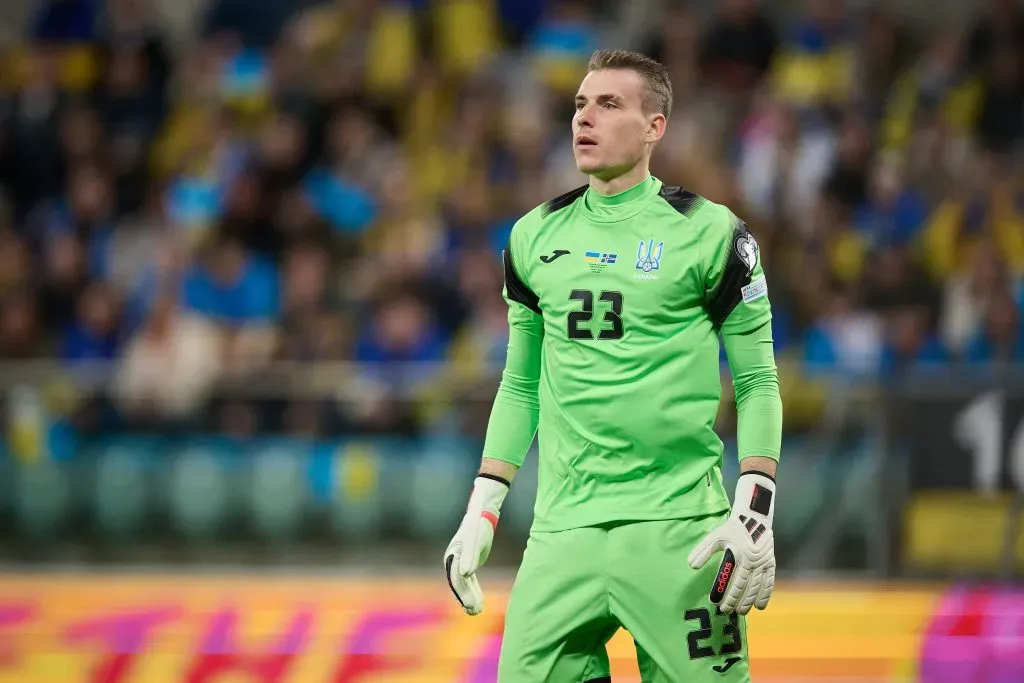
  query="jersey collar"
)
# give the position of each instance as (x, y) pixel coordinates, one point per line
(620, 206)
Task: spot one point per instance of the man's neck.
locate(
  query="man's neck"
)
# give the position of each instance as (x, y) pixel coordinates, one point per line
(621, 183)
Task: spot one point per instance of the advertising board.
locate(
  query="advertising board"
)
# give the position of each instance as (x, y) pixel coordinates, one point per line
(239, 629)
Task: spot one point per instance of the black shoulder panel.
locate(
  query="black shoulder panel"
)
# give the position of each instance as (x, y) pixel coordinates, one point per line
(683, 201)
(564, 200)
(743, 255)
(517, 289)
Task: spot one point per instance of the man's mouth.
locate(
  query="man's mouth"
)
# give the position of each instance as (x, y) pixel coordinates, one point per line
(584, 141)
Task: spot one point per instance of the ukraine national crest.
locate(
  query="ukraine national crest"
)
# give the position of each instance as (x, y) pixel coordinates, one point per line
(648, 256)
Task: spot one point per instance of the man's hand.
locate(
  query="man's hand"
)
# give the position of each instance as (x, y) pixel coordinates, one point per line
(746, 576)
(471, 544)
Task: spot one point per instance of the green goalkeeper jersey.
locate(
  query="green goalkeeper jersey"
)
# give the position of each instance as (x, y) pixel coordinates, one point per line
(616, 306)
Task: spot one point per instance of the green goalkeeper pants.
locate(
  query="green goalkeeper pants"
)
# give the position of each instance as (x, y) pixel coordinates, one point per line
(576, 588)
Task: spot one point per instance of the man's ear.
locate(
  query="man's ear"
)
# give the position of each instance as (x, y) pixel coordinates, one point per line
(656, 128)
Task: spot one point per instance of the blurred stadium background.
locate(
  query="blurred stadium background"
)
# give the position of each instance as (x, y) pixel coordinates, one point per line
(251, 325)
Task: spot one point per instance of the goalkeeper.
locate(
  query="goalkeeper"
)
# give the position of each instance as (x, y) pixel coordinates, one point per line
(617, 295)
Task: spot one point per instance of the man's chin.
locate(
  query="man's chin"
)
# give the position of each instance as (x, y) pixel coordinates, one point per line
(601, 171)
(590, 167)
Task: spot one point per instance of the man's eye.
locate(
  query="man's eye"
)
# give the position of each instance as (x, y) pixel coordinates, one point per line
(579, 105)
(609, 105)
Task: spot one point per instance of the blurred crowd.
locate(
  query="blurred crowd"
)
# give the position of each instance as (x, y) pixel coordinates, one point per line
(298, 181)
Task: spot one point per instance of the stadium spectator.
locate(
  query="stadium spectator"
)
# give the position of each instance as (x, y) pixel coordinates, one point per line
(739, 47)
(169, 366)
(1000, 25)
(94, 334)
(998, 338)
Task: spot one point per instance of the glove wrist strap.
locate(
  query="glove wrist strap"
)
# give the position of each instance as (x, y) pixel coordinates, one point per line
(488, 495)
(755, 493)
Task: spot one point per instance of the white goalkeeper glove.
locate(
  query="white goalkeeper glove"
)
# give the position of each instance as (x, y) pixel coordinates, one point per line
(746, 576)
(471, 544)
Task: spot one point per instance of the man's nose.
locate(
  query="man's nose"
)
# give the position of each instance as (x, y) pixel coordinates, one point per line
(583, 118)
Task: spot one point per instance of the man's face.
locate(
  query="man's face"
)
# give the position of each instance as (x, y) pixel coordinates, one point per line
(610, 127)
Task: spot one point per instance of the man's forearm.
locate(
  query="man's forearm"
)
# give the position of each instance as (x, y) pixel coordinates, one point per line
(498, 468)
(758, 401)
(758, 463)
(512, 425)
(516, 410)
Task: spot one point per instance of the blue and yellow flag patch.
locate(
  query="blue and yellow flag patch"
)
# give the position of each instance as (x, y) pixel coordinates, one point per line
(599, 257)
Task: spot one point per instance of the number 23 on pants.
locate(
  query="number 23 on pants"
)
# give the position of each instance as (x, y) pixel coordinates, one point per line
(577, 588)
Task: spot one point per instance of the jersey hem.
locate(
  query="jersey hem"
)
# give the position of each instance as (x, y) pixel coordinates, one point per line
(690, 512)
(757, 454)
(504, 458)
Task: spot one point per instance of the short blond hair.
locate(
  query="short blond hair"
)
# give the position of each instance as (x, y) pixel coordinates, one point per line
(653, 73)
